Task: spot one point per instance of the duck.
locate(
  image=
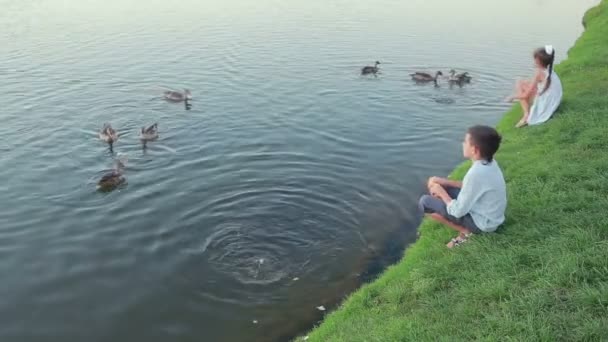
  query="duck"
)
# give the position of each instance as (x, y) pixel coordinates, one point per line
(459, 78)
(176, 96)
(426, 77)
(108, 134)
(112, 179)
(366, 70)
(150, 133)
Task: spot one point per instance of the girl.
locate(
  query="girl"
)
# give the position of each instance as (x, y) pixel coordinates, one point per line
(545, 90)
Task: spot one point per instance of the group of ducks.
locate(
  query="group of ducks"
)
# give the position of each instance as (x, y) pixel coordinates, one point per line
(108, 134)
(423, 77)
(453, 78)
(114, 178)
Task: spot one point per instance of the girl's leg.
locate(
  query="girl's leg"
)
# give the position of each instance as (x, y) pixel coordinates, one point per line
(525, 105)
(521, 87)
(525, 101)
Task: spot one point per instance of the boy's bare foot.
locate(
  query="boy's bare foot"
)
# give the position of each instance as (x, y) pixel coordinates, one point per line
(459, 240)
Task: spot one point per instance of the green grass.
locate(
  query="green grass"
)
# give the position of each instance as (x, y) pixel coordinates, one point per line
(544, 275)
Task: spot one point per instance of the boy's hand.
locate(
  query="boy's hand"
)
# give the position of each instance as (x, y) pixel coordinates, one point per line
(436, 180)
(436, 190)
(439, 192)
(444, 182)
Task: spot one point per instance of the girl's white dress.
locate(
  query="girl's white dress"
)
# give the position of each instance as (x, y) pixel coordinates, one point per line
(546, 104)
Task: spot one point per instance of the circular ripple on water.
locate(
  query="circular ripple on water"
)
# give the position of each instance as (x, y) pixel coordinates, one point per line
(268, 237)
(252, 255)
(263, 231)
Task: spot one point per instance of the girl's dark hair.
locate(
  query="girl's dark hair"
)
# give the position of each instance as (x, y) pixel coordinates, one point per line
(547, 61)
(486, 139)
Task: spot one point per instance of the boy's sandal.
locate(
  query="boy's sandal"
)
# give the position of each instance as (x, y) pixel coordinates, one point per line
(457, 241)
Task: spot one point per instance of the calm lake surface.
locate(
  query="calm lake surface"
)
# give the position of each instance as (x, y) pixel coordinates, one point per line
(290, 181)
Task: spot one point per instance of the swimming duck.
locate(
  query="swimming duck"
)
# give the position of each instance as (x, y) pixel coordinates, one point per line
(108, 134)
(426, 77)
(366, 70)
(112, 179)
(150, 133)
(176, 96)
(423, 77)
(459, 78)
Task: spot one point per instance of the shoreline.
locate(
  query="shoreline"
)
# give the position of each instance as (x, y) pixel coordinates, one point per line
(544, 274)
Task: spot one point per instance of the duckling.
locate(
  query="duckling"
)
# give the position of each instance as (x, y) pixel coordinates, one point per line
(459, 78)
(112, 179)
(108, 134)
(366, 70)
(176, 96)
(150, 133)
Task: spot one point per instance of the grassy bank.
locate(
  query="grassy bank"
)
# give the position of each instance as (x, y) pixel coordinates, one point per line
(544, 275)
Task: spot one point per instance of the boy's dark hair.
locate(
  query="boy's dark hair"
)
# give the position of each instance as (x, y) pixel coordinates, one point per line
(486, 139)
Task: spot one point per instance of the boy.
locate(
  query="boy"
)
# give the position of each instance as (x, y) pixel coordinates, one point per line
(478, 203)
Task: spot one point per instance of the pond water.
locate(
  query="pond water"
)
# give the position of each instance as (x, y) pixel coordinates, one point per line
(289, 182)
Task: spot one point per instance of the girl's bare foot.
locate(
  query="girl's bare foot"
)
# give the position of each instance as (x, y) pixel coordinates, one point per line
(521, 123)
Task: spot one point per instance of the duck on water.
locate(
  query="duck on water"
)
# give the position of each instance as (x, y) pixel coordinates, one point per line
(108, 134)
(114, 178)
(459, 78)
(149, 133)
(373, 70)
(176, 96)
(423, 77)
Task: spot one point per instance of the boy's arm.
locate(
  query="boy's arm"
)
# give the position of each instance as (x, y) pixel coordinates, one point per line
(438, 191)
(446, 182)
(453, 183)
(466, 198)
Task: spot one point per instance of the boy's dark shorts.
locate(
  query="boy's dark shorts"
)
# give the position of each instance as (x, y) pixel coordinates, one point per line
(429, 205)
